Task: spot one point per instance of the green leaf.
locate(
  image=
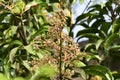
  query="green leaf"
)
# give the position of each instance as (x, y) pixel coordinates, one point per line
(81, 17)
(32, 51)
(99, 70)
(12, 54)
(3, 77)
(116, 75)
(102, 34)
(97, 23)
(105, 27)
(78, 64)
(94, 16)
(50, 8)
(18, 7)
(92, 56)
(87, 30)
(89, 46)
(80, 73)
(26, 64)
(32, 4)
(13, 30)
(45, 71)
(103, 11)
(96, 7)
(40, 31)
(84, 25)
(72, 1)
(109, 41)
(90, 35)
(102, 4)
(16, 10)
(83, 75)
(16, 42)
(19, 78)
(98, 44)
(116, 26)
(54, 1)
(81, 1)
(115, 47)
(5, 17)
(94, 72)
(117, 9)
(92, 32)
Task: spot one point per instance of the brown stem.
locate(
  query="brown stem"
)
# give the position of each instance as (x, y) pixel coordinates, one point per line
(60, 57)
(22, 32)
(8, 7)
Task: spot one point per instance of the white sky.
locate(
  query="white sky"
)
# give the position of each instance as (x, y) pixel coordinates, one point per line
(78, 9)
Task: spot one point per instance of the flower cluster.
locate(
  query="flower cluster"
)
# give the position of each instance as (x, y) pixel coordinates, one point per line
(58, 43)
(35, 64)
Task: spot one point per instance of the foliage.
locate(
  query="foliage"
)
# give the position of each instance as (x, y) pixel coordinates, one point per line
(101, 27)
(33, 45)
(100, 71)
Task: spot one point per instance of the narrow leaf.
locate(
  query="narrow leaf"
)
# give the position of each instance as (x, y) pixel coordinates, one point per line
(115, 47)
(92, 56)
(87, 30)
(78, 64)
(90, 36)
(12, 54)
(99, 70)
(116, 25)
(93, 31)
(109, 41)
(89, 46)
(97, 23)
(99, 42)
(32, 51)
(84, 25)
(40, 31)
(26, 64)
(83, 16)
(98, 73)
(32, 4)
(105, 27)
(96, 7)
(16, 42)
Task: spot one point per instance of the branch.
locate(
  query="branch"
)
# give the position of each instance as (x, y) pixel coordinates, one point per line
(86, 6)
(6, 6)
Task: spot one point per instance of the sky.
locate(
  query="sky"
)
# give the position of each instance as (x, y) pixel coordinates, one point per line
(77, 10)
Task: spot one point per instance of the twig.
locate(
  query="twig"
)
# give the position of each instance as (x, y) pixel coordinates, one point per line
(22, 32)
(86, 6)
(60, 57)
(6, 6)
